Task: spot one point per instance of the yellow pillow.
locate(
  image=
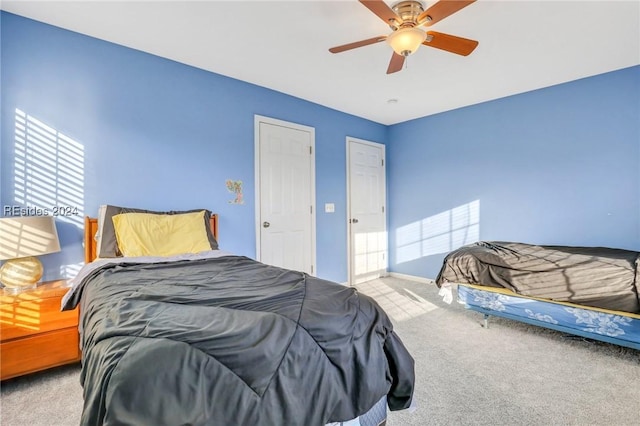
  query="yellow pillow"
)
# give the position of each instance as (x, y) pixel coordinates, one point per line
(144, 234)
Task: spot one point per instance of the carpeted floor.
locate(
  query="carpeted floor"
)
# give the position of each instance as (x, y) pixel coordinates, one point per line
(509, 374)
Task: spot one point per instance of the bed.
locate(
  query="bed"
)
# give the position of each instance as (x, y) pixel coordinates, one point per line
(209, 337)
(590, 292)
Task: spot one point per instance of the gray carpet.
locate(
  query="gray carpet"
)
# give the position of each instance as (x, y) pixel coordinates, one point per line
(509, 374)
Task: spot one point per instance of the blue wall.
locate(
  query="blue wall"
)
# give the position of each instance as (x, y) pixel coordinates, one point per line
(152, 133)
(559, 166)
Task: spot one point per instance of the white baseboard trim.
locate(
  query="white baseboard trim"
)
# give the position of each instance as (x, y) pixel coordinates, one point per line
(402, 276)
(412, 278)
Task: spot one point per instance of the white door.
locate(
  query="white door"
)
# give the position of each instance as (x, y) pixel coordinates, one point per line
(367, 217)
(285, 194)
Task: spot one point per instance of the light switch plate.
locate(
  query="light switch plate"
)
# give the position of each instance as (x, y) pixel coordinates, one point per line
(329, 208)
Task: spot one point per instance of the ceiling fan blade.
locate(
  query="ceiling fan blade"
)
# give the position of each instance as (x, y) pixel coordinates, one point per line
(453, 44)
(396, 63)
(355, 44)
(442, 9)
(383, 11)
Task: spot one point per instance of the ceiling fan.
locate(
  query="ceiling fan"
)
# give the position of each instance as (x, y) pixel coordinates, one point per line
(405, 19)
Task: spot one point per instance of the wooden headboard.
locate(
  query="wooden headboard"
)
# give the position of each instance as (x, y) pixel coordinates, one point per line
(91, 227)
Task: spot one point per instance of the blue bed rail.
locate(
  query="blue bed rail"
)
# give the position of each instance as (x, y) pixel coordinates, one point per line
(619, 328)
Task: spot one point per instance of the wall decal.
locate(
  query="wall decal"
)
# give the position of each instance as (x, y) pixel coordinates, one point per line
(235, 187)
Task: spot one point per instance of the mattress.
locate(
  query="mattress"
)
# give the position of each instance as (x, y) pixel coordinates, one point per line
(376, 416)
(598, 277)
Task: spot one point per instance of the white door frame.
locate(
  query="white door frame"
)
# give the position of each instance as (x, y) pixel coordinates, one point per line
(350, 139)
(258, 225)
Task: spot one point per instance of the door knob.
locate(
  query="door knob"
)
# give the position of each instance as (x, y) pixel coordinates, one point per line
(266, 224)
(354, 220)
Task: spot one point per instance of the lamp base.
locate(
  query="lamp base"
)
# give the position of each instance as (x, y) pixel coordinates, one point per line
(18, 290)
(20, 274)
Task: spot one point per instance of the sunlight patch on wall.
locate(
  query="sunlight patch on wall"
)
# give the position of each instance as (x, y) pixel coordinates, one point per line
(70, 270)
(48, 170)
(440, 233)
(48, 176)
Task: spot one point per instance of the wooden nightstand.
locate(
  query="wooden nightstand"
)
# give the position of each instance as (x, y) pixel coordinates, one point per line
(34, 334)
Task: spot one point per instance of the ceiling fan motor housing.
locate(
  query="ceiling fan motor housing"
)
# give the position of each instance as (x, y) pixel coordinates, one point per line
(409, 12)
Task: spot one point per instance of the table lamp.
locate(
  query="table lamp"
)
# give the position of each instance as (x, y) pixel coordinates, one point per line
(21, 239)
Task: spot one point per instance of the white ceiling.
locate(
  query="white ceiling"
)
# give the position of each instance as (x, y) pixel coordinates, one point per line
(283, 45)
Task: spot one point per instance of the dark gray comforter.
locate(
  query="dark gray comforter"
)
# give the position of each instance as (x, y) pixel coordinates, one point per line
(230, 341)
(592, 276)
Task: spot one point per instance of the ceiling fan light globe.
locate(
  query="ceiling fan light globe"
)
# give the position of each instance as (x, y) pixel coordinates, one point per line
(406, 41)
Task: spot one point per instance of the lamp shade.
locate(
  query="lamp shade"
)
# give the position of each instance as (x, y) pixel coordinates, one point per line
(23, 236)
(21, 239)
(405, 41)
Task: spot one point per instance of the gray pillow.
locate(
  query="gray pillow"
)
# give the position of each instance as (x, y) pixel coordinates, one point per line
(106, 238)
